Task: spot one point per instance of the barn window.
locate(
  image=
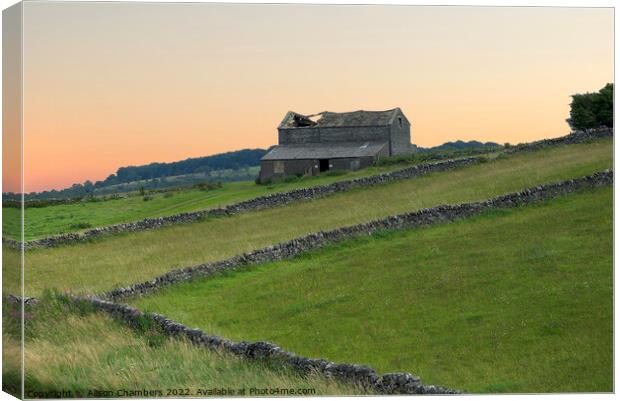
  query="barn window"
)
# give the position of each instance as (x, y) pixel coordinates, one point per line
(400, 122)
(278, 167)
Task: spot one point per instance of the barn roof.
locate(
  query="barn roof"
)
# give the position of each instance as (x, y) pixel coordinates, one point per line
(324, 150)
(360, 118)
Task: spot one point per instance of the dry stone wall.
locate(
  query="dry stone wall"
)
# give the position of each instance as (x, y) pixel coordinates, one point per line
(360, 375)
(282, 198)
(570, 139)
(435, 215)
(261, 202)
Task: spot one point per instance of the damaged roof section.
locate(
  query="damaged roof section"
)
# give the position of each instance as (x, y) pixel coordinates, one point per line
(326, 119)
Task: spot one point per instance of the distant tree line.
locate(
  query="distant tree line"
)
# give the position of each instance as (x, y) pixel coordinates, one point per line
(230, 160)
(592, 110)
(154, 175)
(459, 145)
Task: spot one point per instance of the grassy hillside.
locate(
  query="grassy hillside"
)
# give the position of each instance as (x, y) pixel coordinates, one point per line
(518, 300)
(77, 350)
(132, 257)
(57, 219)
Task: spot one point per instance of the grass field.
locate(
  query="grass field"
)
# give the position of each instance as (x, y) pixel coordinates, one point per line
(57, 219)
(42, 222)
(127, 258)
(517, 300)
(78, 350)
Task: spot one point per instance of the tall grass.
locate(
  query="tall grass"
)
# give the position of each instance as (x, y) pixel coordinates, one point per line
(68, 349)
(56, 219)
(515, 300)
(133, 257)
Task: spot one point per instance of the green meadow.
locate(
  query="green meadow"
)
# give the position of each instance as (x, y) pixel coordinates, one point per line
(122, 259)
(75, 349)
(45, 221)
(515, 300)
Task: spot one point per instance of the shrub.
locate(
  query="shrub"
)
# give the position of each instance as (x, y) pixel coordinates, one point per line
(592, 110)
(80, 226)
(207, 186)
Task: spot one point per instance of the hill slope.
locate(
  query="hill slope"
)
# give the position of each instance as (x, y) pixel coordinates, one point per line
(461, 304)
(62, 218)
(129, 258)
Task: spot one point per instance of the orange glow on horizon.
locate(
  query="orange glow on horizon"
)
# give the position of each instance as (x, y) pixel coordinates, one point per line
(115, 84)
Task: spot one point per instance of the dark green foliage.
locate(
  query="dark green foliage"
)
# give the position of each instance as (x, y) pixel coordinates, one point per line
(230, 160)
(459, 145)
(208, 186)
(15, 202)
(604, 104)
(150, 330)
(80, 226)
(592, 110)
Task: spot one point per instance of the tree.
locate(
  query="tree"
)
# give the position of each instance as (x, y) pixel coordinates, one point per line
(592, 110)
(88, 187)
(604, 106)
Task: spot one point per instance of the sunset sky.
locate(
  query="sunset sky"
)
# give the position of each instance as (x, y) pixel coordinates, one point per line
(108, 85)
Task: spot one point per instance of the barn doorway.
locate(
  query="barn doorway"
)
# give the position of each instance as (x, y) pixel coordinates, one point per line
(323, 165)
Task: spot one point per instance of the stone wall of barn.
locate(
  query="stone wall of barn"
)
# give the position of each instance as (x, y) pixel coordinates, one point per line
(274, 169)
(400, 136)
(351, 163)
(270, 169)
(397, 135)
(291, 136)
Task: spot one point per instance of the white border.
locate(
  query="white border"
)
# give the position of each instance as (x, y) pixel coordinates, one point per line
(557, 3)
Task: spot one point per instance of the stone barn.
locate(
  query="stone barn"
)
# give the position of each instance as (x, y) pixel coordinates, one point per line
(310, 144)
